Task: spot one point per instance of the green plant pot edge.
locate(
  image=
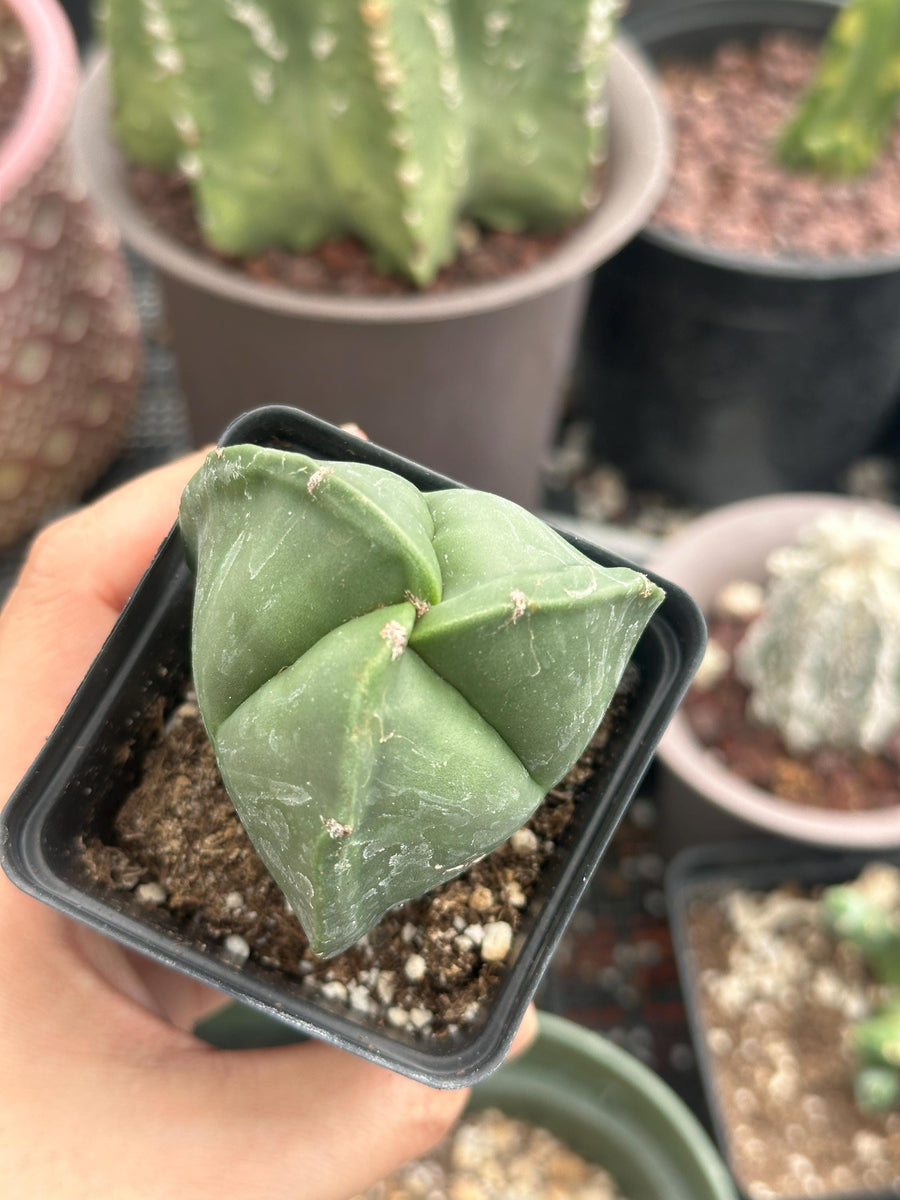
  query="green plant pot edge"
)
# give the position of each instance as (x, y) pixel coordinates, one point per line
(595, 1097)
(609, 1107)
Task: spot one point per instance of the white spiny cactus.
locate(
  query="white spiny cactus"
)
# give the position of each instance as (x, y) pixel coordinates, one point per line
(823, 660)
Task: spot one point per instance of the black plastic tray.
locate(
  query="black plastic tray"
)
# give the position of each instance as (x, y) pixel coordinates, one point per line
(758, 864)
(76, 785)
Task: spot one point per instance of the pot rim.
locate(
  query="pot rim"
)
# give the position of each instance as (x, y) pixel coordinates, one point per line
(685, 756)
(51, 90)
(609, 1059)
(640, 159)
(705, 16)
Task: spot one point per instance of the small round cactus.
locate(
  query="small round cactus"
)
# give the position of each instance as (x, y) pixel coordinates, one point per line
(823, 660)
(391, 680)
(866, 913)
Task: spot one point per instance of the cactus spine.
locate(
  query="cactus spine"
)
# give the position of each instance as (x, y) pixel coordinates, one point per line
(844, 118)
(823, 660)
(391, 680)
(388, 119)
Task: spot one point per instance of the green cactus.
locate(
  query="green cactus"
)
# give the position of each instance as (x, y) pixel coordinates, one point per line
(823, 660)
(866, 913)
(844, 118)
(388, 119)
(877, 1088)
(391, 680)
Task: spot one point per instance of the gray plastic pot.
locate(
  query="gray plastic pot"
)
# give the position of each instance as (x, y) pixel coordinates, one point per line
(469, 381)
(701, 800)
(596, 1098)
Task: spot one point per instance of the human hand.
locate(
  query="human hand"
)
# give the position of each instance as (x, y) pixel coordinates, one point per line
(104, 1093)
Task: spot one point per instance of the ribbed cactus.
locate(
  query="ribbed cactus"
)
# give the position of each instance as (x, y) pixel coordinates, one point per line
(384, 118)
(823, 660)
(843, 120)
(391, 680)
(867, 913)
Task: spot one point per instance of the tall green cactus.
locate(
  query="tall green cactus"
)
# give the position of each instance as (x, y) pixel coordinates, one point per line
(299, 122)
(843, 120)
(391, 680)
(823, 660)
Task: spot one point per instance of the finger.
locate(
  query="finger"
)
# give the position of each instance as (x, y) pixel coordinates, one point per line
(352, 427)
(389, 1119)
(526, 1034)
(75, 581)
(311, 1120)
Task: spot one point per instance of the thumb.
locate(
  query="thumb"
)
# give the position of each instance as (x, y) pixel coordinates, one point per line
(298, 1121)
(301, 1121)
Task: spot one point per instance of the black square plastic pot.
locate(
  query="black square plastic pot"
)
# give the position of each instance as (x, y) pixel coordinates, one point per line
(78, 783)
(759, 865)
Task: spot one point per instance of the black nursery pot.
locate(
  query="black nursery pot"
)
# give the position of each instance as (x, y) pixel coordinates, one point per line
(714, 375)
(759, 865)
(78, 782)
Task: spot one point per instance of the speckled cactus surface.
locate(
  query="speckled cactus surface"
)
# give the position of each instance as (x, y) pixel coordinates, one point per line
(388, 119)
(391, 679)
(823, 660)
(843, 119)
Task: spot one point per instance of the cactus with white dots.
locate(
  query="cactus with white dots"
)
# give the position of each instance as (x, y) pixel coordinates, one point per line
(842, 121)
(387, 119)
(822, 661)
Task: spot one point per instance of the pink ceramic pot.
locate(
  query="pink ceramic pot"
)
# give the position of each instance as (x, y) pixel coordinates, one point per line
(701, 799)
(69, 339)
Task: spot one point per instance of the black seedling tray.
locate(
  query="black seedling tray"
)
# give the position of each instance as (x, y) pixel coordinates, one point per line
(78, 782)
(759, 865)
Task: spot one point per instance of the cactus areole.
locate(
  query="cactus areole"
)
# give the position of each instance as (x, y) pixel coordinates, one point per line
(391, 679)
(387, 119)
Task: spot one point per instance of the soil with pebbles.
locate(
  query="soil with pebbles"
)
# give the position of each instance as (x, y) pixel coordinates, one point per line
(727, 188)
(778, 995)
(840, 780)
(429, 967)
(342, 266)
(491, 1156)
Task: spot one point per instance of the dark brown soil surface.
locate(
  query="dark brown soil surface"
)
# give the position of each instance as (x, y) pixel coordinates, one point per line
(777, 997)
(15, 68)
(179, 847)
(837, 779)
(727, 189)
(342, 267)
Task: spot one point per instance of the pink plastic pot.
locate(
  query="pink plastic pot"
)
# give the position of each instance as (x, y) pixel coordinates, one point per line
(701, 799)
(69, 341)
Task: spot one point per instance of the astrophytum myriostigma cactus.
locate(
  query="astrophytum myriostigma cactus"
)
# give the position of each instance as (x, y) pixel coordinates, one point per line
(843, 119)
(391, 680)
(823, 660)
(388, 119)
